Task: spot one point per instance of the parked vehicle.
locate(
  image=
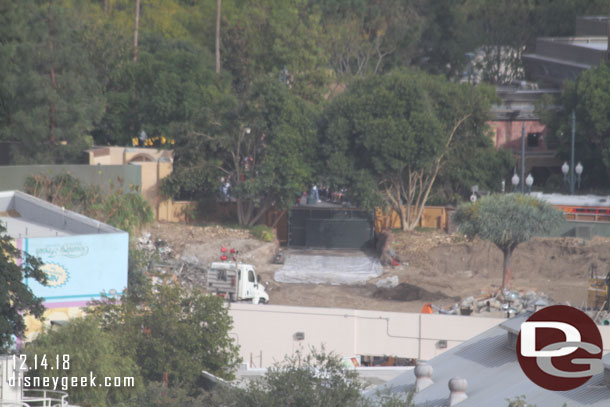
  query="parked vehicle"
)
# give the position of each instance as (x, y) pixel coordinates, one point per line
(237, 282)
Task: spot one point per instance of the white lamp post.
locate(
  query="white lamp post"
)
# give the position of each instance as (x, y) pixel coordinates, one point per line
(529, 181)
(565, 168)
(515, 180)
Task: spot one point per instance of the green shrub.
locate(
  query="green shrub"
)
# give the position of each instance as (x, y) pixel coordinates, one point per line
(127, 211)
(262, 232)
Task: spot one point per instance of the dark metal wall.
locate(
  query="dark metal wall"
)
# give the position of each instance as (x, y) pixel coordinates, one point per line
(330, 228)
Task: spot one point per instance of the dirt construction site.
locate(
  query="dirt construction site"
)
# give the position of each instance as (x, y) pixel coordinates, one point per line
(434, 267)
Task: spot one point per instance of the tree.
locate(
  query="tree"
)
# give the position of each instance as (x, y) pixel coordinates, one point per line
(263, 146)
(318, 379)
(48, 98)
(75, 350)
(506, 221)
(395, 131)
(363, 38)
(167, 93)
(472, 161)
(16, 298)
(172, 334)
(589, 98)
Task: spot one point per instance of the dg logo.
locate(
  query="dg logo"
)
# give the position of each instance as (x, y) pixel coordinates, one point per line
(560, 348)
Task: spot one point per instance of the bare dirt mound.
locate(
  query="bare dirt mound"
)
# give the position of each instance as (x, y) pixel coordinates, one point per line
(436, 267)
(558, 267)
(409, 292)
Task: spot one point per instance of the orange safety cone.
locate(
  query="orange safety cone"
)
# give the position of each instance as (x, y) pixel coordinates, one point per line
(427, 309)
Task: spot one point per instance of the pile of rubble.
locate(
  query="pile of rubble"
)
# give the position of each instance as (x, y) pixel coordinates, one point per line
(162, 260)
(510, 302)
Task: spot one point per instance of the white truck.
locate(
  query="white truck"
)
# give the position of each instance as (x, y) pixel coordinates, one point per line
(236, 281)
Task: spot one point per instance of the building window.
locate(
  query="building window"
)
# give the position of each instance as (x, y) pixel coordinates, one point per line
(533, 139)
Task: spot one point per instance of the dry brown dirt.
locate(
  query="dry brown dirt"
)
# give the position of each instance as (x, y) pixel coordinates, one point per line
(435, 267)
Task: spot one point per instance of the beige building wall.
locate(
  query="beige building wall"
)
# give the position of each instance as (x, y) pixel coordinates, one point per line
(266, 333)
(154, 165)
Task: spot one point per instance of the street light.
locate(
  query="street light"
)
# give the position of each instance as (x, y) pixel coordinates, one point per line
(565, 168)
(515, 181)
(578, 170)
(529, 181)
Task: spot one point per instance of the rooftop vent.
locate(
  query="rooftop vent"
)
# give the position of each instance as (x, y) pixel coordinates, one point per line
(423, 373)
(457, 387)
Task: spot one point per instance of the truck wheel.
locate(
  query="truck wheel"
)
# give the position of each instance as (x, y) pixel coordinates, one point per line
(262, 301)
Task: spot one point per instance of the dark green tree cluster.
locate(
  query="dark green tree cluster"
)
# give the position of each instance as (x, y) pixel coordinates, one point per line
(162, 334)
(149, 73)
(387, 138)
(16, 298)
(589, 98)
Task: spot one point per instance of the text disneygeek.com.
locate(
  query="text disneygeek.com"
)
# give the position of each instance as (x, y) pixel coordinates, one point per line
(67, 382)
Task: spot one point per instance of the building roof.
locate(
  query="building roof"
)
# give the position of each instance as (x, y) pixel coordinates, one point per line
(25, 216)
(490, 366)
(558, 58)
(573, 200)
(518, 102)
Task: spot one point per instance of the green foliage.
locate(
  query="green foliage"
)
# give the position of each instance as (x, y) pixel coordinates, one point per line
(589, 97)
(126, 211)
(315, 380)
(269, 165)
(49, 100)
(519, 401)
(472, 161)
(262, 232)
(91, 351)
(507, 219)
(16, 298)
(318, 379)
(166, 329)
(388, 136)
(158, 395)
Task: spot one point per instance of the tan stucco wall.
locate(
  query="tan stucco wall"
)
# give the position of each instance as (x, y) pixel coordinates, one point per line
(152, 172)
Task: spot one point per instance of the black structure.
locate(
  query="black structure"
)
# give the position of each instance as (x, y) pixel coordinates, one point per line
(330, 227)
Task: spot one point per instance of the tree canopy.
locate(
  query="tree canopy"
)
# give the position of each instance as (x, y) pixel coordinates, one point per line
(589, 98)
(81, 349)
(507, 220)
(172, 334)
(16, 298)
(387, 137)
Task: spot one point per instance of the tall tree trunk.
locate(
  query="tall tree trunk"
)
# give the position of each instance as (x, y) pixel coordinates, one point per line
(106, 7)
(506, 273)
(218, 5)
(404, 222)
(51, 74)
(135, 33)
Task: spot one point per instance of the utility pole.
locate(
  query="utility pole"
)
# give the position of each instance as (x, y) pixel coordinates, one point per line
(572, 153)
(135, 33)
(218, 6)
(522, 157)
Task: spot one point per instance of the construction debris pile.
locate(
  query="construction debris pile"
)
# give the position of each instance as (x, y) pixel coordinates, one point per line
(162, 260)
(510, 302)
